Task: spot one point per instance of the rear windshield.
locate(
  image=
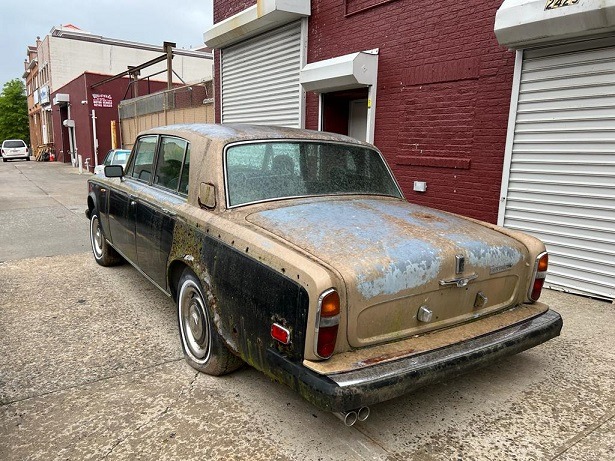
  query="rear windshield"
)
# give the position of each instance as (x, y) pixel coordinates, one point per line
(263, 171)
(14, 144)
(120, 158)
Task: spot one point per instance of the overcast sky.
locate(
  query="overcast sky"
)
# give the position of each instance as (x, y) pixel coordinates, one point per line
(151, 22)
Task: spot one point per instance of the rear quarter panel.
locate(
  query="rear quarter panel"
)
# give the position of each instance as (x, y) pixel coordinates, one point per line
(251, 281)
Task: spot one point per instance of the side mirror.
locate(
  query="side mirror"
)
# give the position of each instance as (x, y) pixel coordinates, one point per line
(114, 171)
(207, 195)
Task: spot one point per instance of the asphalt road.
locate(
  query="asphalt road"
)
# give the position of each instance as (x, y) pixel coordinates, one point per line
(91, 368)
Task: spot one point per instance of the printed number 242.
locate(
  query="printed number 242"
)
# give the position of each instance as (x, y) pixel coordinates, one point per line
(557, 3)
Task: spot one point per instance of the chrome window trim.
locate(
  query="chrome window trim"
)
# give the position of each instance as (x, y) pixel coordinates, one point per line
(535, 274)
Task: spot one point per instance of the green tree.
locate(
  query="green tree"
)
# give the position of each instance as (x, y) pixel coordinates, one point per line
(14, 111)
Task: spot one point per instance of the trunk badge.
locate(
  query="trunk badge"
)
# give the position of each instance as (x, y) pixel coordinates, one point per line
(460, 264)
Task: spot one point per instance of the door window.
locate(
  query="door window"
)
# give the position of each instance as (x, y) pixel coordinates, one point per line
(143, 164)
(183, 184)
(170, 161)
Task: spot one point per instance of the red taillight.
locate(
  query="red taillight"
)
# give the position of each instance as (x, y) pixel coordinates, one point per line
(326, 341)
(327, 323)
(540, 273)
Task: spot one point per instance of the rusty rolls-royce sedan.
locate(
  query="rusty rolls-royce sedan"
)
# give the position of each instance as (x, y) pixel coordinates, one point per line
(295, 251)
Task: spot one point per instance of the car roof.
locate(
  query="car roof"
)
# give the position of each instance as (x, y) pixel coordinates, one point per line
(228, 133)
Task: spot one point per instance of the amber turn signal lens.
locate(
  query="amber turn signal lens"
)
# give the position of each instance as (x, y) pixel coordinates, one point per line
(330, 306)
(543, 263)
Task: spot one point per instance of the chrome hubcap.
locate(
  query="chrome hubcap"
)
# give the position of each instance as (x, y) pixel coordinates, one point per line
(194, 322)
(96, 237)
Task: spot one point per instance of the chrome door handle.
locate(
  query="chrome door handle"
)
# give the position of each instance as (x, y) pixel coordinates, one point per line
(459, 282)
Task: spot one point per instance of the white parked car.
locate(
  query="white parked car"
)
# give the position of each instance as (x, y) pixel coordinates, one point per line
(14, 148)
(113, 157)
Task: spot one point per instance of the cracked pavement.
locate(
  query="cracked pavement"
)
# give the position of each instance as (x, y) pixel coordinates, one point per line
(91, 368)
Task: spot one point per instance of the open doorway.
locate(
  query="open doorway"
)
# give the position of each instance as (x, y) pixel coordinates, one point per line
(347, 93)
(345, 112)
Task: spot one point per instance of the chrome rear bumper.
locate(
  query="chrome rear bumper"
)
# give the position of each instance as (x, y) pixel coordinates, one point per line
(377, 383)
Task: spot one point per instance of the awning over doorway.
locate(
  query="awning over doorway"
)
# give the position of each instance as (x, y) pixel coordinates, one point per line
(341, 73)
(264, 16)
(521, 23)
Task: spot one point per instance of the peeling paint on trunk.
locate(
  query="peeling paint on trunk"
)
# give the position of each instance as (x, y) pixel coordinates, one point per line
(485, 254)
(411, 264)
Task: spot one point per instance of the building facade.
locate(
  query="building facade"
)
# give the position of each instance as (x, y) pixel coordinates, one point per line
(67, 52)
(85, 118)
(30, 76)
(428, 84)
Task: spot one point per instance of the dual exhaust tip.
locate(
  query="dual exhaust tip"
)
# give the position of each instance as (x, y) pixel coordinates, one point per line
(351, 417)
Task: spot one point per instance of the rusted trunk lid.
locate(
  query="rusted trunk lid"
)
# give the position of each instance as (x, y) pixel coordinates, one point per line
(396, 258)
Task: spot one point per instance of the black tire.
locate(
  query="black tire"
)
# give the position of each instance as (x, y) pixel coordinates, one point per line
(204, 349)
(104, 254)
(28, 158)
(3, 159)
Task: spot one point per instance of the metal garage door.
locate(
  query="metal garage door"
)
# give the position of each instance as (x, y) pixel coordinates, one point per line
(260, 79)
(561, 183)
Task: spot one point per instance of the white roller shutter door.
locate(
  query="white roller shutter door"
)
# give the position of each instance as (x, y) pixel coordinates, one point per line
(561, 182)
(260, 79)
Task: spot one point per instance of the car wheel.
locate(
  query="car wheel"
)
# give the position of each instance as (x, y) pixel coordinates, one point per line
(203, 347)
(3, 159)
(28, 158)
(104, 254)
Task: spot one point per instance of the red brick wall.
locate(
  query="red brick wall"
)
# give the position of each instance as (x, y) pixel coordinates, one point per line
(443, 91)
(224, 9)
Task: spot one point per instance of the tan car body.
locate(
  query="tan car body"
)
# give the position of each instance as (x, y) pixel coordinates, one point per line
(378, 322)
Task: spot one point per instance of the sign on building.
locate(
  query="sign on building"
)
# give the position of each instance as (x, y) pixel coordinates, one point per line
(44, 95)
(102, 100)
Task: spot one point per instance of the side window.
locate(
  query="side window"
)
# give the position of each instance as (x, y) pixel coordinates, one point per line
(143, 164)
(170, 159)
(183, 183)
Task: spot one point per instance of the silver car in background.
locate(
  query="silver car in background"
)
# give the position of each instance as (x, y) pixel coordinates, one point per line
(113, 157)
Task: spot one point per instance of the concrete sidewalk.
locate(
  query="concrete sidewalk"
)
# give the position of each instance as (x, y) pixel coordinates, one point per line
(42, 209)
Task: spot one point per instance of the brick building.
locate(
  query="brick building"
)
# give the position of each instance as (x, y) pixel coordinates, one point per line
(67, 52)
(428, 84)
(82, 113)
